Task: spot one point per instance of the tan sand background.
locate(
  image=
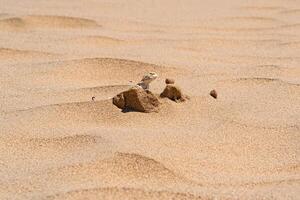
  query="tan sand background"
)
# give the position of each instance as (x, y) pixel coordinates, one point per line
(55, 143)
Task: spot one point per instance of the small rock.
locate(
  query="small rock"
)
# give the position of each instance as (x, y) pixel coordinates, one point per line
(214, 94)
(174, 93)
(93, 98)
(137, 99)
(170, 81)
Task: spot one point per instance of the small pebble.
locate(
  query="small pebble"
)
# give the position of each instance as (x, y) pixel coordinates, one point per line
(170, 81)
(213, 93)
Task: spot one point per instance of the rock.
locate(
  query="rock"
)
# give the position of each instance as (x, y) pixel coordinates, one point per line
(214, 94)
(174, 93)
(170, 81)
(137, 99)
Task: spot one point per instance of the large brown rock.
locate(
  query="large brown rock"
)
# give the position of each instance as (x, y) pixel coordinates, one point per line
(174, 93)
(137, 99)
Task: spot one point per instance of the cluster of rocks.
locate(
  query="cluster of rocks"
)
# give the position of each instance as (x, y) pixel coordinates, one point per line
(143, 100)
(140, 98)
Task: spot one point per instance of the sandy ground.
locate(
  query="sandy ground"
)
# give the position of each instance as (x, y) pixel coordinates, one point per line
(55, 143)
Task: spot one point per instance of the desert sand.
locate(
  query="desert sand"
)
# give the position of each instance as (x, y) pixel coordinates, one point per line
(56, 143)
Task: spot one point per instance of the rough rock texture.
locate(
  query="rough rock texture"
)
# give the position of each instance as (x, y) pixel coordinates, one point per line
(174, 93)
(170, 81)
(137, 99)
(119, 101)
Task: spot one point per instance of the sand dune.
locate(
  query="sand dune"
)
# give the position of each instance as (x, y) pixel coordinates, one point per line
(16, 55)
(263, 8)
(291, 44)
(56, 142)
(101, 69)
(44, 21)
(291, 11)
(124, 193)
(13, 23)
(64, 142)
(106, 77)
(97, 41)
(122, 166)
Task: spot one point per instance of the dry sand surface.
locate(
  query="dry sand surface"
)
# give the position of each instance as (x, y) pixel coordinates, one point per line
(56, 143)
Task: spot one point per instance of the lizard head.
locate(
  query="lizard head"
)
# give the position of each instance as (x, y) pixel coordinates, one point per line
(149, 77)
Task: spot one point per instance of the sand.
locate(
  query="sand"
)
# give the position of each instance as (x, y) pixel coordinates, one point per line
(56, 143)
